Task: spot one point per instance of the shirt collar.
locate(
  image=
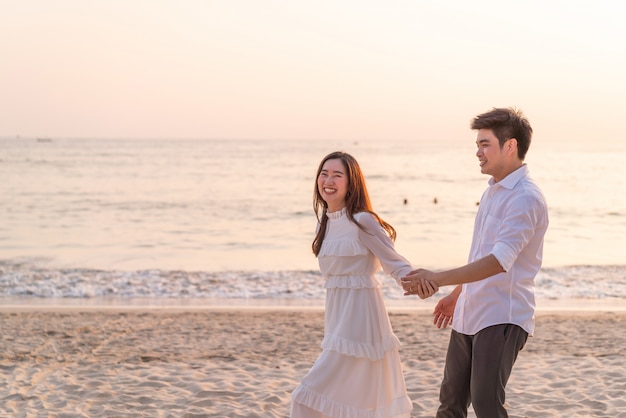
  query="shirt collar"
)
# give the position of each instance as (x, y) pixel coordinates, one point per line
(511, 180)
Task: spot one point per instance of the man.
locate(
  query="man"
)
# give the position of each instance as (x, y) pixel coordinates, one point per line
(493, 309)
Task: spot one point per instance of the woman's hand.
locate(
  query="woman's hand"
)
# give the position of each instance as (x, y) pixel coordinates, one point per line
(419, 282)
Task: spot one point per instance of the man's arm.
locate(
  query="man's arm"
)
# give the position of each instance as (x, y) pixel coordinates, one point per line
(478, 270)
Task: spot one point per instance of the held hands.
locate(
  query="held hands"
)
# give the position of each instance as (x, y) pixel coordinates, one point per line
(419, 282)
(423, 283)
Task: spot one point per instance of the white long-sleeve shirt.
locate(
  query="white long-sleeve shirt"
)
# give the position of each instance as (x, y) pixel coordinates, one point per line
(511, 222)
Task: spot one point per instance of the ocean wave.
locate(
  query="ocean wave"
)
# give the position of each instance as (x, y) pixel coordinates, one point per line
(26, 280)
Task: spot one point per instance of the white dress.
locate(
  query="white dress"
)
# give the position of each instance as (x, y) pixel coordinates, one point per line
(359, 373)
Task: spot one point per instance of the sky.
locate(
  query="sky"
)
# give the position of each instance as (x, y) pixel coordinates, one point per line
(309, 69)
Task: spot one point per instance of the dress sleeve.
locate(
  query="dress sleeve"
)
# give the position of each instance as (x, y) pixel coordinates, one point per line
(375, 238)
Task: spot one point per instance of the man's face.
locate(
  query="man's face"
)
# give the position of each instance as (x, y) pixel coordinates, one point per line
(492, 158)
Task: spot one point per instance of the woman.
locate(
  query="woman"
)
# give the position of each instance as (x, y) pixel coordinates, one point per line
(359, 373)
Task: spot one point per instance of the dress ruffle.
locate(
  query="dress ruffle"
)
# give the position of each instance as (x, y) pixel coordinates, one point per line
(352, 282)
(307, 396)
(342, 247)
(372, 351)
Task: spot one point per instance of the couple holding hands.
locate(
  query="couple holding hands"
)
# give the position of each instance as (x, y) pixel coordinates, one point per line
(491, 309)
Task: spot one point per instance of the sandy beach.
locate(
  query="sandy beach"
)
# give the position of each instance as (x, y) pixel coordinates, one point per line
(245, 363)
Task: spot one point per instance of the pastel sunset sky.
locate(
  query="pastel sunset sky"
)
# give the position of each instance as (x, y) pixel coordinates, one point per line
(309, 69)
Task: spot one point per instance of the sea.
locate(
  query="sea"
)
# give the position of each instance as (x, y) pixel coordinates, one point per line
(216, 222)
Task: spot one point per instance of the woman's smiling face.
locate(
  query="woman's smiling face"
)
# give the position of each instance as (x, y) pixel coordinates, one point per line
(332, 184)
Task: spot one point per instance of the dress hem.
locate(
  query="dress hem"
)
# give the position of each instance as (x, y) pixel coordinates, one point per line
(399, 407)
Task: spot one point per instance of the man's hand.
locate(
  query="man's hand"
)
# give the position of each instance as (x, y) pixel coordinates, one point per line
(419, 282)
(444, 311)
(424, 289)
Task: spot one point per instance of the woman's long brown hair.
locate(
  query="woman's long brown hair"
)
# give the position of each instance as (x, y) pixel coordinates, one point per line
(357, 198)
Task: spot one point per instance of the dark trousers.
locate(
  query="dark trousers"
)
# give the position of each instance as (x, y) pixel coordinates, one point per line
(477, 370)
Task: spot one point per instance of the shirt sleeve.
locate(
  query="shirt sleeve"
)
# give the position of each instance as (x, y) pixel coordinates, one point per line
(376, 239)
(524, 215)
